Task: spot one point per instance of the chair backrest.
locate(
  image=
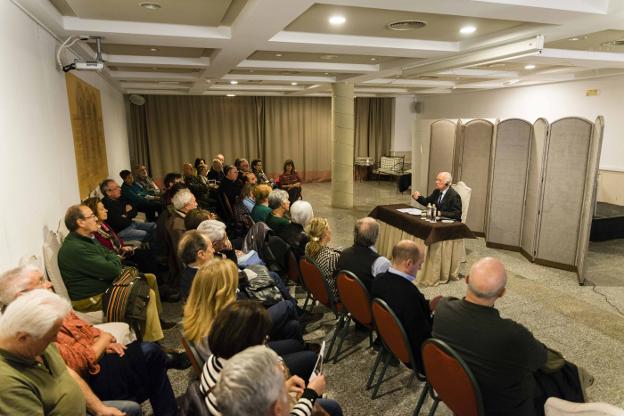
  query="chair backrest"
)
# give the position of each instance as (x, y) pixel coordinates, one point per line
(294, 275)
(314, 281)
(392, 333)
(354, 297)
(451, 379)
(559, 407)
(192, 354)
(464, 192)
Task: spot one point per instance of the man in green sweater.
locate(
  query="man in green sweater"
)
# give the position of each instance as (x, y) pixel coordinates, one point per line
(88, 268)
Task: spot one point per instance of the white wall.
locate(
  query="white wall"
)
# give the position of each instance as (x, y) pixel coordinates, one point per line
(403, 124)
(551, 101)
(37, 162)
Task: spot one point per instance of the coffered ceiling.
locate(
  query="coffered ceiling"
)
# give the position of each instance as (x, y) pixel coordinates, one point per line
(291, 47)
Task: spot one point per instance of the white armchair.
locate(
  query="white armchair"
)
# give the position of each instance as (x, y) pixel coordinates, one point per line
(558, 407)
(464, 192)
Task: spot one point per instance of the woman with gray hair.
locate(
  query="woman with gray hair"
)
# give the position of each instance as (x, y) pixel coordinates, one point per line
(34, 377)
(279, 204)
(216, 232)
(293, 233)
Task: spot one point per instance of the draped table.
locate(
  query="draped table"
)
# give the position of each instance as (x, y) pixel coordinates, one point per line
(442, 243)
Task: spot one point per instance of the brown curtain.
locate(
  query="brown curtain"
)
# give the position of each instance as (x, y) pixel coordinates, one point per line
(299, 128)
(170, 130)
(373, 126)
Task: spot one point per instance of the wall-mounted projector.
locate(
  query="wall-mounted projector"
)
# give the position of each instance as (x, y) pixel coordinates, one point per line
(93, 65)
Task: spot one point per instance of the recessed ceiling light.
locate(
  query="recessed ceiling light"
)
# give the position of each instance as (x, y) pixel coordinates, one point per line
(529, 66)
(293, 83)
(278, 54)
(466, 30)
(573, 39)
(231, 95)
(326, 73)
(328, 57)
(153, 49)
(337, 20)
(373, 59)
(233, 82)
(150, 5)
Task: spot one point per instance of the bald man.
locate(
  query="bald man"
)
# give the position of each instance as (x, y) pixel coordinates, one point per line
(396, 287)
(502, 354)
(443, 197)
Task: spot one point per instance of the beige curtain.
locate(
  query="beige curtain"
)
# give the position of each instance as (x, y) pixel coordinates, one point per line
(170, 130)
(299, 128)
(373, 126)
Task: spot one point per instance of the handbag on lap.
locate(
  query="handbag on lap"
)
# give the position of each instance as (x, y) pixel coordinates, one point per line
(126, 300)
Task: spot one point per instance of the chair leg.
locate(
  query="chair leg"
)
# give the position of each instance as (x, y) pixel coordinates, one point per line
(305, 304)
(369, 384)
(331, 345)
(421, 399)
(383, 373)
(370, 339)
(411, 380)
(434, 407)
(342, 335)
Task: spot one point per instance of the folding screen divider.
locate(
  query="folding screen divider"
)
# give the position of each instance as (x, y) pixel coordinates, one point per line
(509, 182)
(474, 169)
(441, 149)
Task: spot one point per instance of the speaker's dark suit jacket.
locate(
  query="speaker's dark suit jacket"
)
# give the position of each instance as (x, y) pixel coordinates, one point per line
(450, 206)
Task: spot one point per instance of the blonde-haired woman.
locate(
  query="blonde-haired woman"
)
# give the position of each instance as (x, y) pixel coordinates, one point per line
(326, 258)
(214, 287)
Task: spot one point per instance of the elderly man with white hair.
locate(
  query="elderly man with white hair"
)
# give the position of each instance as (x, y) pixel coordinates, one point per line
(445, 198)
(516, 373)
(293, 233)
(183, 202)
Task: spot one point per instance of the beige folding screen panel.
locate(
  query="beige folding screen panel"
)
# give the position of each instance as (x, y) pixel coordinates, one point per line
(441, 149)
(509, 178)
(475, 150)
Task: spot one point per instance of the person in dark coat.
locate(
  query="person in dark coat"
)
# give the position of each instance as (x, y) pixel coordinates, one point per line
(445, 198)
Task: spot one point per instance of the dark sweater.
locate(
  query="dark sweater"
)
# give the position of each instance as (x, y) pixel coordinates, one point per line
(359, 260)
(118, 218)
(87, 267)
(502, 354)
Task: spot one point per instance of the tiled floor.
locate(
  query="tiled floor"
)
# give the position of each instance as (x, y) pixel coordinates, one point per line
(576, 320)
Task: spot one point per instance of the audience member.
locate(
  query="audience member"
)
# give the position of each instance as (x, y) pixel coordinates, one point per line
(194, 250)
(261, 209)
(198, 162)
(241, 221)
(196, 216)
(279, 204)
(88, 269)
(243, 167)
(230, 186)
(247, 197)
(113, 371)
(246, 324)
(396, 287)
(362, 258)
(35, 380)
(171, 179)
(256, 169)
(144, 181)
(183, 202)
(248, 178)
(221, 159)
(293, 233)
(317, 250)
(516, 373)
(138, 196)
(290, 181)
(121, 212)
(202, 173)
(196, 185)
(216, 171)
(217, 233)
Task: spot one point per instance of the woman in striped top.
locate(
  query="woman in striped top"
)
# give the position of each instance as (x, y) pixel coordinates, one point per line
(242, 325)
(317, 250)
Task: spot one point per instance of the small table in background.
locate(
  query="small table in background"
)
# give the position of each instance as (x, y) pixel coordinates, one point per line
(363, 167)
(443, 244)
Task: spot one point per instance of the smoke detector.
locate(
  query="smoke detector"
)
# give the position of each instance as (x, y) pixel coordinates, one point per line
(402, 25)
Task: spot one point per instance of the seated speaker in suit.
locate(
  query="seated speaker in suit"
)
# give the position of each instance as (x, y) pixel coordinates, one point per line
(445, 198)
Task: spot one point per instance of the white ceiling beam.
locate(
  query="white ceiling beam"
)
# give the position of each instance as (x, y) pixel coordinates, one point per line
(154, 91)
(153, 85)
(307, 66)
(156, 61)
(380, 90)
(155, 76)
(478, 73)
(289, 78)
(245, 93)
(252, 87)
(411, 83)
(588, 59)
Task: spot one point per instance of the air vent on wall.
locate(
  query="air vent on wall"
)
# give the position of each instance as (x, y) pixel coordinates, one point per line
(406, 25)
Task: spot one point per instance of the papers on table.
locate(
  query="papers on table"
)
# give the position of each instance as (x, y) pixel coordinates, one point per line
(410, 211)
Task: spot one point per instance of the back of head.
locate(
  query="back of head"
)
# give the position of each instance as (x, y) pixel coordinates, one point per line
(487, 279)
(301, 212)
(261, 192)
(171, 178)
(72, 215)
(250, 383)
(315, 231)
(365, 232)
(214, 229)
(238, 326)
(92, 203)
(405, 250)
(276, 197)
(195, 217)
(182, 197)
(104, 185)
(124, 174)
(34, 313)
(14, 281)
(214, 287)
(191, 242)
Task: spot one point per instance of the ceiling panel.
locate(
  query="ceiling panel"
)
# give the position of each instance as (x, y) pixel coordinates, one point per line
(597, 41)
(154, 50)
(151, 69)
(372, 22)
(303, 73)
(320, 57)
(182, 12)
